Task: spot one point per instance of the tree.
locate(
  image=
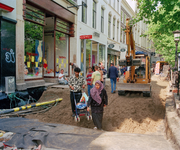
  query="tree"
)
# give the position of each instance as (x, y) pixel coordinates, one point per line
(162, 17)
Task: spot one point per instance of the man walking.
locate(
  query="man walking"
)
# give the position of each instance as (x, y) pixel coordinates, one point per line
(95, 76)
(76, 83)
(113, 74)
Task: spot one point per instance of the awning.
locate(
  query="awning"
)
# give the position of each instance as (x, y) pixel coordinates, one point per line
(6, 7)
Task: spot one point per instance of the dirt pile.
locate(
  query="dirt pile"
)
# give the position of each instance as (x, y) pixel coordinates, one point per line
(132, 113)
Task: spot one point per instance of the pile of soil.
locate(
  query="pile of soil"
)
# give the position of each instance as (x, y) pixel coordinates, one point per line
(132, 113)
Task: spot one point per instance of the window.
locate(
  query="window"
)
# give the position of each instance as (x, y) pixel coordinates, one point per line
(84, 11)
(114, 19)
(102, 20)
(118, 6)
(109, 26)
(124, 37)
(33, 55)
(121, 34)
(62, 41)
(102, 54)
(94, 15)
(114, 4)
(121, 16)
(117, 30)
(124, 18)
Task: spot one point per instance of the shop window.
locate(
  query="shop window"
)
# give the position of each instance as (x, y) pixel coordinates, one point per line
(62, 50)
(102, 54)
(84, 11)
(33, 50)
(94, 15)
(102, 20)
(88, 54)
(49, 54)
(82, 58)
(94, 52)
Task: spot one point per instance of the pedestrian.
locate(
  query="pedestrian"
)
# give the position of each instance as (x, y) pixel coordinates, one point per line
(62, 79)
(73, 66)
(113, 75)
(98, 100)
(101, 72)
(104, 75)
(76, 83)
(95, 76)
(88, 79)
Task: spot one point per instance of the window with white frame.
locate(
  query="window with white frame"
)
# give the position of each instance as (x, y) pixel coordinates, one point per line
(121, 16)
(113, 5)
(102, 20)
(114, 20)
(124, 37)
(118, 6)
(117, 30)
(109, 26)
(84, 11)
(124, 18)
(121, 37)
(94, 15)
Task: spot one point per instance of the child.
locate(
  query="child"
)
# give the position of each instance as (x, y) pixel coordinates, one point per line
(88, 79)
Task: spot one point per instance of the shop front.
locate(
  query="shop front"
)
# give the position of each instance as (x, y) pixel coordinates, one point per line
(47, 32)
(113, 57)
(92, 53)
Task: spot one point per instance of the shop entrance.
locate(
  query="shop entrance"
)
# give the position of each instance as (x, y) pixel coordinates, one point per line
(92, 53)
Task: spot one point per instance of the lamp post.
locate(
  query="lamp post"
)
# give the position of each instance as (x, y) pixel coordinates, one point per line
(176, 40)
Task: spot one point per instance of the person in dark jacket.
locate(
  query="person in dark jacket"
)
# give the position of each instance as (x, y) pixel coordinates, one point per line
(98, 100)
(113, 75)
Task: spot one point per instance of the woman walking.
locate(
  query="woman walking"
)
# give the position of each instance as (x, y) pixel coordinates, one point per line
(97, 100)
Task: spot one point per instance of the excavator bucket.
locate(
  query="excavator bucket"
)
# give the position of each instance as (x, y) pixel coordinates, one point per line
(137, 87)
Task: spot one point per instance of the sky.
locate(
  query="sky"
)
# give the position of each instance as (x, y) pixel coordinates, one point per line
(131, 3)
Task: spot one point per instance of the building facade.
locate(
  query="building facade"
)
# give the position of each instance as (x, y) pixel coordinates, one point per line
(91, 33)
(41, 37)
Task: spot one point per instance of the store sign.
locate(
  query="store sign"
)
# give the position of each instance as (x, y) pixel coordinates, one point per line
(86, 37)
(96, 34)
(122, 49)
(113, 52)
(111, 45)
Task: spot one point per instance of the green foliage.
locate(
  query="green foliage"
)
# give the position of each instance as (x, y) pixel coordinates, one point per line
(163, 18)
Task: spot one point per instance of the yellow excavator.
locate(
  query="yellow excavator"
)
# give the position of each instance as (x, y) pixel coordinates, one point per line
(138, 76)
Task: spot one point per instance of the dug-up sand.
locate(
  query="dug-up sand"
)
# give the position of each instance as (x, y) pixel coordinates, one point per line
(132, 113)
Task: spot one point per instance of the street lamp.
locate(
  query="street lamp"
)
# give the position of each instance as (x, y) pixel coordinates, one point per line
(176, 40)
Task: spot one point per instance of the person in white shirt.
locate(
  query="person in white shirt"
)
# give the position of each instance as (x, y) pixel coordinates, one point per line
(62, 79)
